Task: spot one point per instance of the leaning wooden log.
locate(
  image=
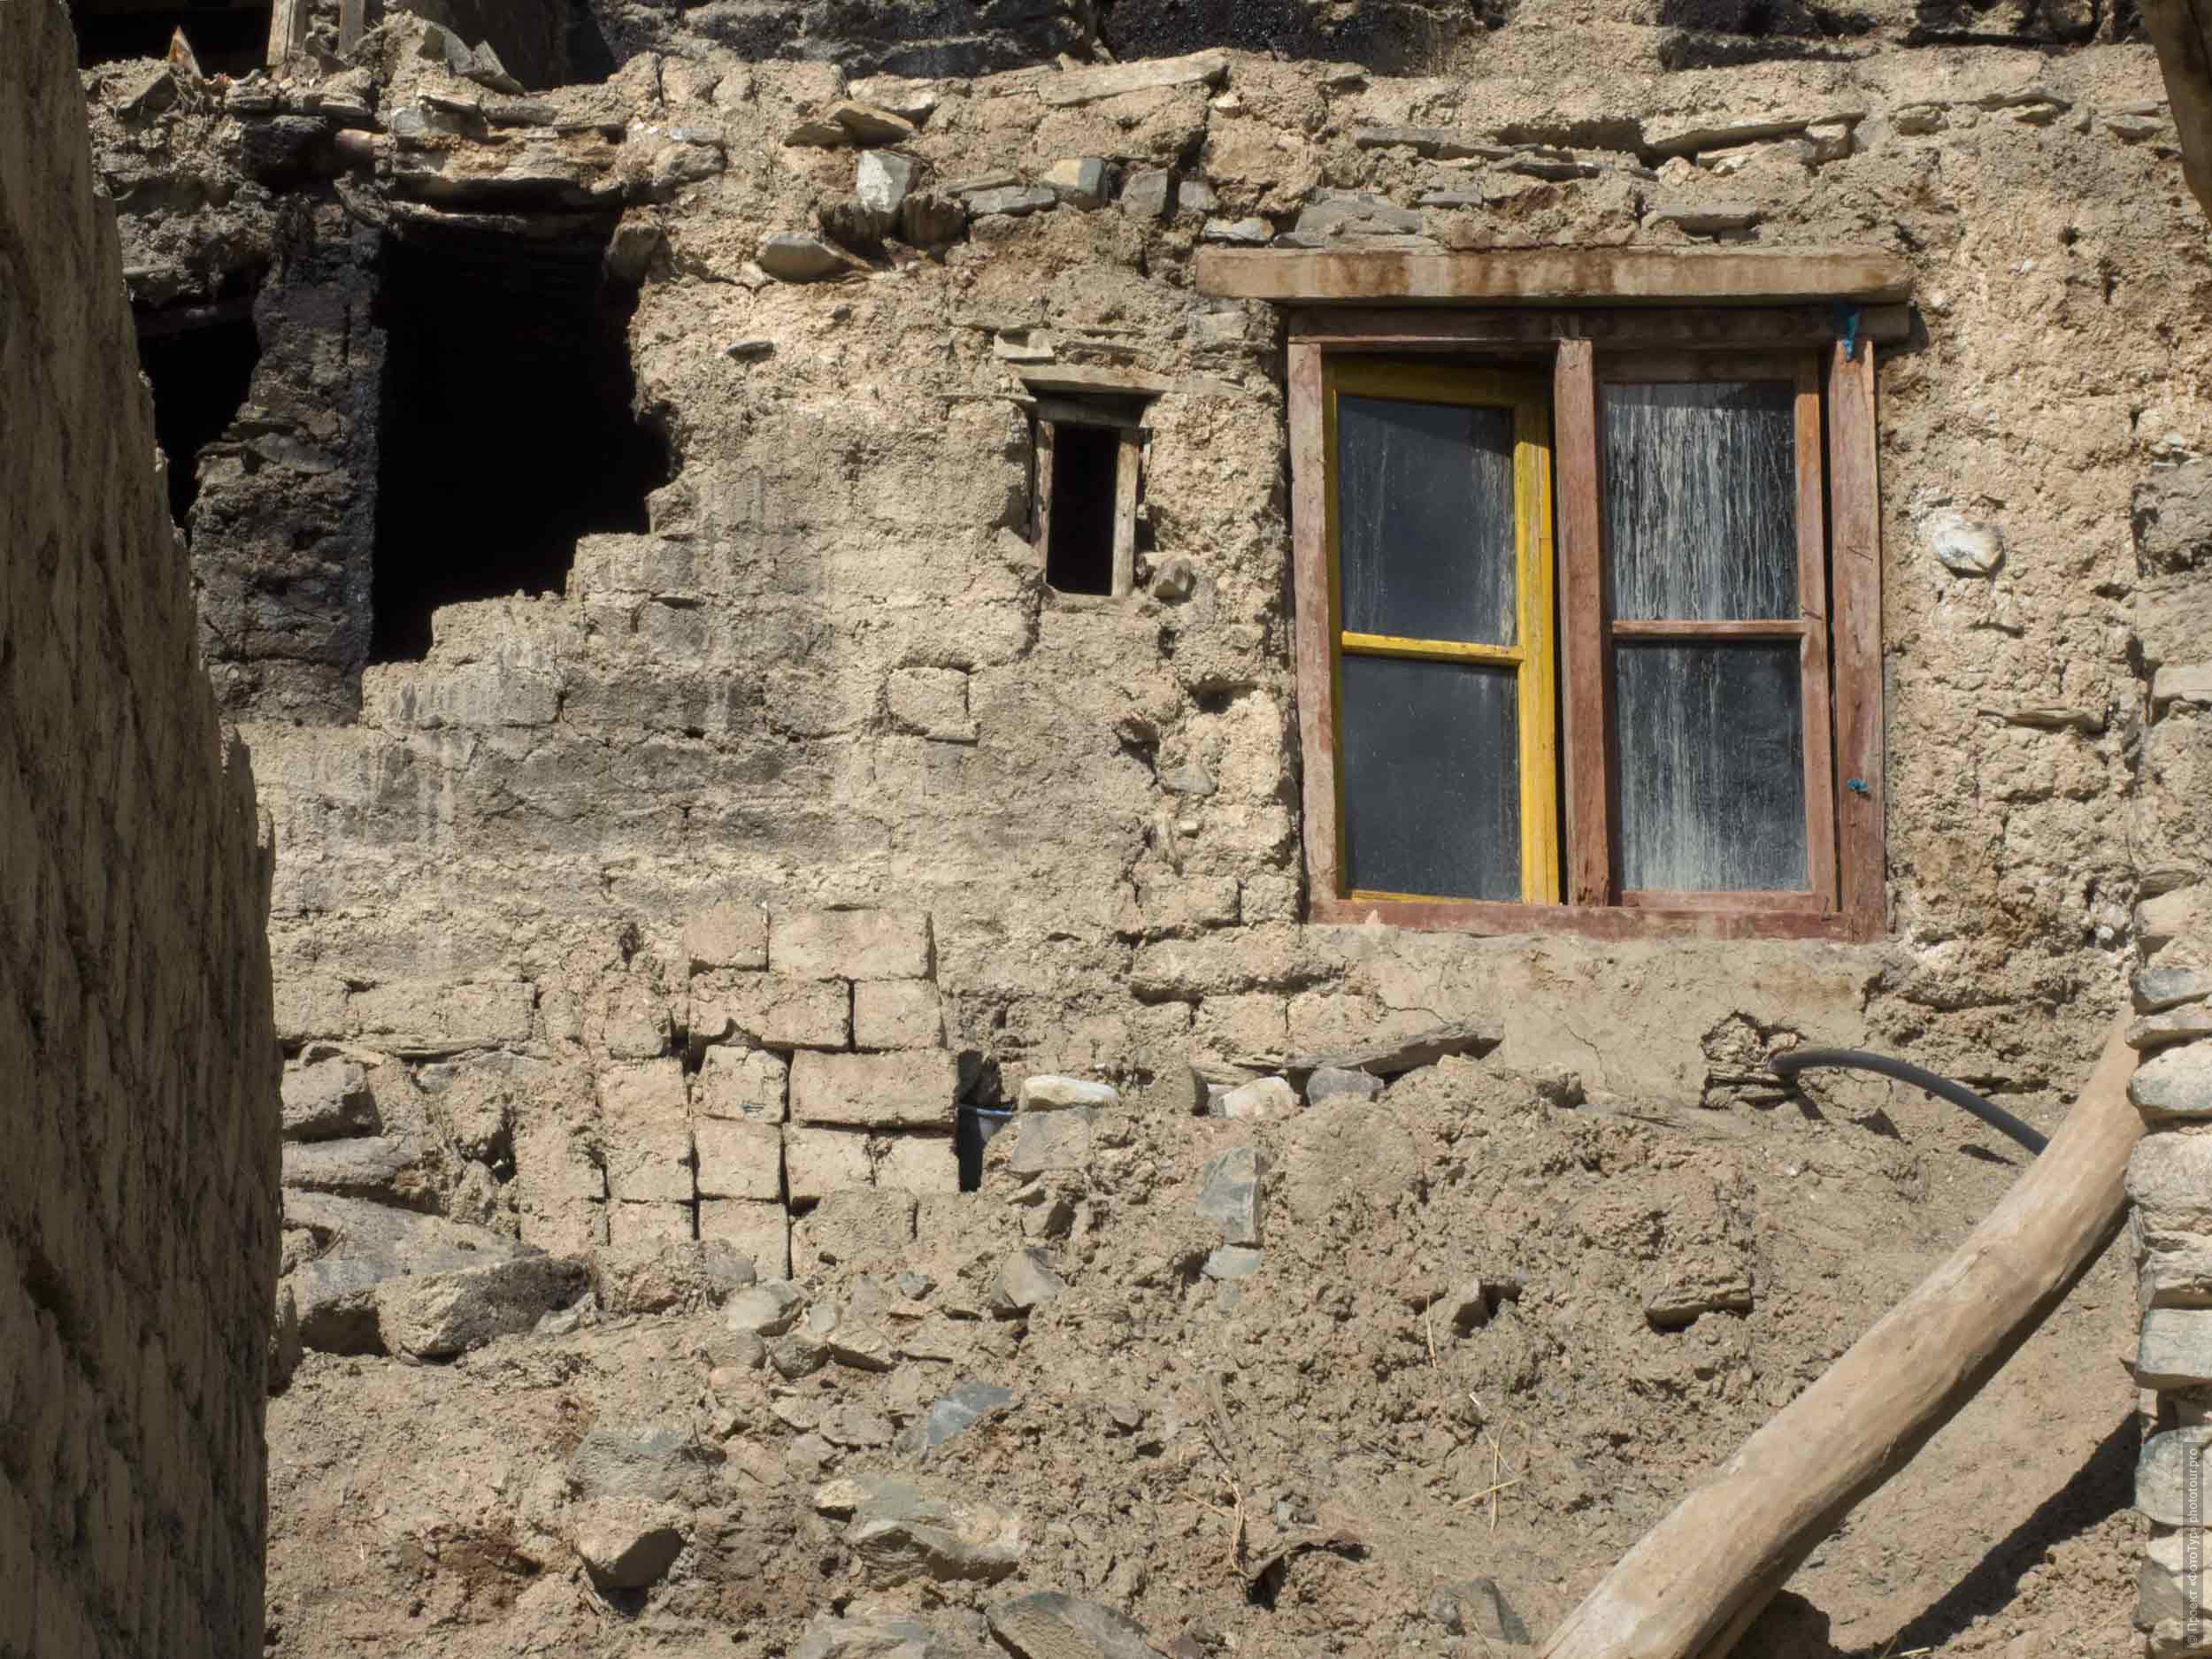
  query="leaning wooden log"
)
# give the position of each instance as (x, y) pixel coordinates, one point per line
(1692, 1586)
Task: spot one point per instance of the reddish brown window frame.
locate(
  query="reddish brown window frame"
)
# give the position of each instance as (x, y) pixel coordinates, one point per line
(1840, 624)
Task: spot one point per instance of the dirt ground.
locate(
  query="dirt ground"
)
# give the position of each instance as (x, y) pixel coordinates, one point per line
(1320, 1457)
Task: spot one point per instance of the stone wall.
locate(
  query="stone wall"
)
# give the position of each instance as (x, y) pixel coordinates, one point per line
(138, 1222)
(2170, 1177)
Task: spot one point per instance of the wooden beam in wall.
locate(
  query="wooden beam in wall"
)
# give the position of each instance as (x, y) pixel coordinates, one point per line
(1586, 276)
(2182, 32)
(288, 30)
(1706, 328)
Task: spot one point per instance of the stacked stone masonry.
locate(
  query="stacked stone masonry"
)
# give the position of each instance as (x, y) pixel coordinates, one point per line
(138, 1221)
(2169, 1176)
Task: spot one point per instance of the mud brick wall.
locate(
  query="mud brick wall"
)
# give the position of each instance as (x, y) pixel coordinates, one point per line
(138, 1200)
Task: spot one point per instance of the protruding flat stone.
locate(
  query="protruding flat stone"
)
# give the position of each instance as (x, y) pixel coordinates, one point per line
(2174, 1083)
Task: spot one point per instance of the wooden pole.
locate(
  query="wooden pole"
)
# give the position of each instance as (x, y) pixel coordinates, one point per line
(1695, 1583)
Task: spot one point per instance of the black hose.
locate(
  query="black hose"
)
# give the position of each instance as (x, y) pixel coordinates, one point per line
(1790, 1061)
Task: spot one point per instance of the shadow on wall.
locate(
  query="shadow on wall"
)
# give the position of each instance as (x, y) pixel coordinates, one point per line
(507, 430)
(1390, 36)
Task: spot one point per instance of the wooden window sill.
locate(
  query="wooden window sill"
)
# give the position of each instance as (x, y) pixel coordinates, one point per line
(1641, 921)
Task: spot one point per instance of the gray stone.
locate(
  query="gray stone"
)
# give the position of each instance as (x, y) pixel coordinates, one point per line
(799, 1354)
(1081, 182)
(1013, 201)
(1049, 1093)
(900, 1533)
(851, 224)
(1554, 169)
(1195, 196)
(325, 1099)
(1329, 1082)
(962, 1409)
(1051, 1141)
(791, 256)
(1175, 580)
(1026, 1282)
(861, 1346)
(2158, 989)
(1356, 212)
(768, 1308)
(356, 1166)
(1233, 1261)
(148, 88)
(2163, 1031)
(1231, 1193)
(651, 1463)
(627, 1543)
(749, 351)
(1148, 193)
(1705, 218)
(856, 1429)
(434, 1315)
(1240, 233)
(2174, 1349)
(361, 1245)
(1192, 781)
(1262, 1098)
(865, 124)
(1109, 80)
(1433, 142)
(832, 1638)
(883, 182)
(2169, 1183)
(914, 1284)
(2174, 1083)
(2188, 683)
(1478, 1607)
(2158, 1474)
(1048, 1625)
(1962, 546)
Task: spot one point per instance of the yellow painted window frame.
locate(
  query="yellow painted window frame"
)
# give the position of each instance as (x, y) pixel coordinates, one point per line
(1528, 396)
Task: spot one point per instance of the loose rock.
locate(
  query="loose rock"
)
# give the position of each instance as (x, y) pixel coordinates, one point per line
(1230, 1194)
(629, 1543)
(1026, 1281)
(1049, 1624)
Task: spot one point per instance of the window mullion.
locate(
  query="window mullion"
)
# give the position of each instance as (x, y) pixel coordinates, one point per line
(1812, 599)
(1582, 644)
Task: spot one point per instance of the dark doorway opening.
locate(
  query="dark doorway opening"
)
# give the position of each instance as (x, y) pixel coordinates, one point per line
(506, 429)
(226, 40)
(200, 373)
(1079, 550)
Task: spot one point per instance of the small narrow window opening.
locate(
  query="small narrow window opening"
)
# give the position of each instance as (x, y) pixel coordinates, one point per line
(507, 430)
(1079, 546)
(200, 371)
(1089, 457)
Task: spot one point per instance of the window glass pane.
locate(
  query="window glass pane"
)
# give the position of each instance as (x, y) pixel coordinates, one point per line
(1712, 759)
(1700, 500)
(1431, 777)
(1424, 519)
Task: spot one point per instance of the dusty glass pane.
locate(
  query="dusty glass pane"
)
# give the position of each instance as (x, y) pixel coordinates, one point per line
(1700, 500)
(1424, 519)
(1712, 759)
(1431, 777)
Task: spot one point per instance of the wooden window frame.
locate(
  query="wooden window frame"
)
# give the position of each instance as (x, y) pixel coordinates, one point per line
(1839, 625)
(1126, 419)
(1528, 399)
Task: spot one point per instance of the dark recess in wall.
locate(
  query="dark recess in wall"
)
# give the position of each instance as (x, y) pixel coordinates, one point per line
(1388, 36)
(506, 429)
(225, 39)
(200, 377)
(1079, 554)
(591, 60)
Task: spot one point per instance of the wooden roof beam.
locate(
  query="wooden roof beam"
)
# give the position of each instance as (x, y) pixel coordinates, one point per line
(1586, 276)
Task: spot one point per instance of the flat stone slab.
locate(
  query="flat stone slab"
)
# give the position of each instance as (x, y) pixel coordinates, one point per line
(2175, 1083)
(2175, 1348)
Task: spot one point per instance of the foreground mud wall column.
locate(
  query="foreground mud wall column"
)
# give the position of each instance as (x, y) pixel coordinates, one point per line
(138, 1189)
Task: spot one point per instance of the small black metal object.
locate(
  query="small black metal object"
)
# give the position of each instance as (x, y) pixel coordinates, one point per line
(1788, 1063)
